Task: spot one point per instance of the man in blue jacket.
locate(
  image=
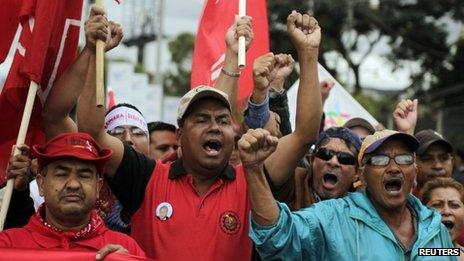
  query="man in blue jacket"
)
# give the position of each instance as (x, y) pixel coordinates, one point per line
(384, 222)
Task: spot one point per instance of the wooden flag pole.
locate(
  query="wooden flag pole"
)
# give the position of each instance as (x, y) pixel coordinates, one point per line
(241, 39)
(19, 141)
(100, 70)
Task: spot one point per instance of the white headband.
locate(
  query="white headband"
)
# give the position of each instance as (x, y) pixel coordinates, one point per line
(125, 116)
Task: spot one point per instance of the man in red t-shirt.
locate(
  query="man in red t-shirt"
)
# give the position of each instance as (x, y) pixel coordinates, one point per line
(196, 208)
(69, 180)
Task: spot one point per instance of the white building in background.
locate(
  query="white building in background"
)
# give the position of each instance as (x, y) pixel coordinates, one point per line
(133, 88)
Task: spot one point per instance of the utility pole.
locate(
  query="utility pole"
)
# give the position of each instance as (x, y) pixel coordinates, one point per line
(159, 52)
(159, 41)
(141, 30)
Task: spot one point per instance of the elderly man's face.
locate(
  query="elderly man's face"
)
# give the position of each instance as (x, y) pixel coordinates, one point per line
(70, 188)
(207, 136)
(433, 163)
(389, 185)
(331, 178)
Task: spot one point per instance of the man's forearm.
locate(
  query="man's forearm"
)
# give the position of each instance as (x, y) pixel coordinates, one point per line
(63, 97)
(226, 83)
(90, 117)
(309, 105)
(263, 205)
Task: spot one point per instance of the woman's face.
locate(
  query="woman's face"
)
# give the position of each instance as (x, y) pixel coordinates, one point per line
(448, 202)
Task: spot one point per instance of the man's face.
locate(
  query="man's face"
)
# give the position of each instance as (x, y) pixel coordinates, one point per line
(163, 143)
(331, 179)
(134, 136)
(389, 185)
(448, 202)
(207, 136)
(70, 188)
(361, 131)
(434, 162)
(163, 212)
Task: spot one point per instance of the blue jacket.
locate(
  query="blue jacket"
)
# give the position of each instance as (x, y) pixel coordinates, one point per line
(348, 228)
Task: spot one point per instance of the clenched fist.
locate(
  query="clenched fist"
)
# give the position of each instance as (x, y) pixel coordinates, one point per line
(255, 146)
(304, 32)
(263, 71)
(405, 116)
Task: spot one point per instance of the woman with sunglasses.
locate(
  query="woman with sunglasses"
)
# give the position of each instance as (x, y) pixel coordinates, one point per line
(447, 196)
(332, 170)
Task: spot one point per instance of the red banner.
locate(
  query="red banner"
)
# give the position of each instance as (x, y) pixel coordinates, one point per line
(56, 255)
(210, 47)
(49, 33)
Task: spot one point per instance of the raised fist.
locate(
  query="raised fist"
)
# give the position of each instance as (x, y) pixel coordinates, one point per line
(263, 71)
(326, 86)
(255, 146)
(405, 116)
(304, 31)
(283, 67)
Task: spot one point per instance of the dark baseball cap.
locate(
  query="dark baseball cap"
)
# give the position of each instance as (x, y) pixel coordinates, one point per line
(359, 122)
(342, 133)
(428, 137)
(74, 145)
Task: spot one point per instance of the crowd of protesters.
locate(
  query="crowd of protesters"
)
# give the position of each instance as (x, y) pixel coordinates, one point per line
(214, 188)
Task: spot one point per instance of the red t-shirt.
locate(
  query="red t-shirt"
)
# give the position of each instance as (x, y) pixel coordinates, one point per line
(209, 227)
(36, 235)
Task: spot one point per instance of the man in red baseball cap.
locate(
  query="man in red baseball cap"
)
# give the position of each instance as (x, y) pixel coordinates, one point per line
(69, 179)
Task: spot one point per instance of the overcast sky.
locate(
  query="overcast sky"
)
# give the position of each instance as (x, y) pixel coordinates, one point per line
(183, 15)
(179, 16)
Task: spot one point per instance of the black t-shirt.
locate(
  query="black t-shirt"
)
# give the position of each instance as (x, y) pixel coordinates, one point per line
(131, 179)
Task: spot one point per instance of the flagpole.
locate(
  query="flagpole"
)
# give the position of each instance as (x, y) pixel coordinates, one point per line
(100, 70)
(19, 141)
(241, 39)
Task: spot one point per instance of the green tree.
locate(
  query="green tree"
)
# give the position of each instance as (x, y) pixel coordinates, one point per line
(414, 30)
(177, 81)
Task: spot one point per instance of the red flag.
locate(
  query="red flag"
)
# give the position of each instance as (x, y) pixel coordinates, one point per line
(9, 19)
(210, 47)
(47, 46)
(111, 99)
(58, 255)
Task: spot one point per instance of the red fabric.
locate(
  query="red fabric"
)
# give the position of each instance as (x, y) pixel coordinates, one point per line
(209, 227)
(9, 19)
(55, 255)
(210, 46)
(47, 46)
(461, 238)
(111, 99)
(37, 235)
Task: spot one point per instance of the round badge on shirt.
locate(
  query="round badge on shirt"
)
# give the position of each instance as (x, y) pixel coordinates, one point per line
(163, 211)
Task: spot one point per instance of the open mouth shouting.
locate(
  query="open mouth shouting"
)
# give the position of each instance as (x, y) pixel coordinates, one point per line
(393, 185)
(330, 180)
(212, 147)
(448, 224)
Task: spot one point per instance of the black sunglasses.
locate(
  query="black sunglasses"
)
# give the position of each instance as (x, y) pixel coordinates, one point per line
(343, 158)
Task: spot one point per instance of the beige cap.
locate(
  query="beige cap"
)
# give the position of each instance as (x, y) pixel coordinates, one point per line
(372, 142)
(199, 92)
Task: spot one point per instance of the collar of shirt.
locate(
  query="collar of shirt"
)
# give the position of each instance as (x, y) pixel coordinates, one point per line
(178, 170)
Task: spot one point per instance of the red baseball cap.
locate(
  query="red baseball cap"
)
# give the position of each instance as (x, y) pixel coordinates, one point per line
(76, 145)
